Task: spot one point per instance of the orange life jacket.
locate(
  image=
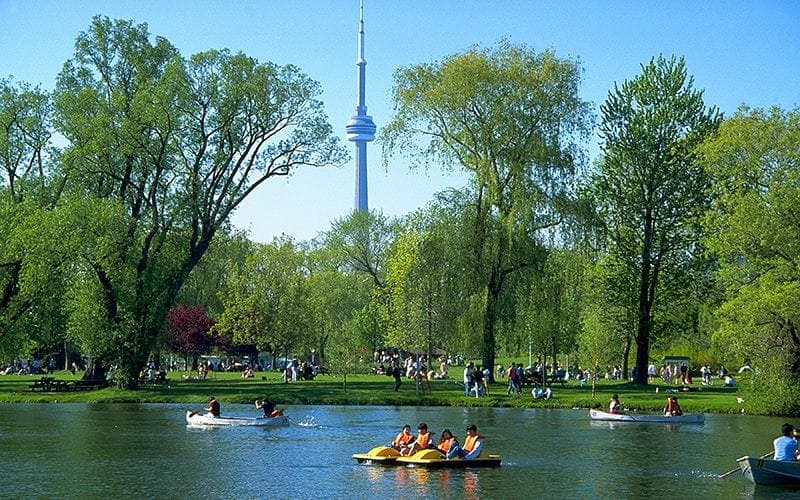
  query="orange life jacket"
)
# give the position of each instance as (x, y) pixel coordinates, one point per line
(469, 442)
(403, 439)
(423, 439)
(445, 445)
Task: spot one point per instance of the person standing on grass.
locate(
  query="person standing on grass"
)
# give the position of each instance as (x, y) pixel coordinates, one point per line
(397, 376)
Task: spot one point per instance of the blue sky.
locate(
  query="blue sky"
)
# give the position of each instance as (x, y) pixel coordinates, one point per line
(738, 52)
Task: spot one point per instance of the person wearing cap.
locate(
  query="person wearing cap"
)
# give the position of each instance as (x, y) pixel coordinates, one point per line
(472, 445)
(785, 445)
(467, 379)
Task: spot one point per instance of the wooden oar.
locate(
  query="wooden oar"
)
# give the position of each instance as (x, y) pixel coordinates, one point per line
(737, 469)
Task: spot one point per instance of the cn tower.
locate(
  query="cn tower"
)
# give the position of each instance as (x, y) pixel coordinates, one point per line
(361, 128)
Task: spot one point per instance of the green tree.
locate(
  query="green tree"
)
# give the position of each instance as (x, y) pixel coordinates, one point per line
(650, 190)
(360, 242)
(511, 118)
(550, 308)
(265, 300)
(172, 146)
(753, 231)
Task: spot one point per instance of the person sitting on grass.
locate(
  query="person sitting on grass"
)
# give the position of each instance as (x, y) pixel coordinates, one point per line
(539, 393)
(472, 445)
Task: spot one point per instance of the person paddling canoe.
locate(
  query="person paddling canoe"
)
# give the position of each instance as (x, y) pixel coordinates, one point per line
(614, 406)
(213, 406)
(267, 406)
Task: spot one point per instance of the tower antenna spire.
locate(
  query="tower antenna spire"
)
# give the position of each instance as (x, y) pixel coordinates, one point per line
(360, 128)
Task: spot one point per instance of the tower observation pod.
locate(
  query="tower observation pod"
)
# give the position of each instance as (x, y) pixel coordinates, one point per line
(360, 128)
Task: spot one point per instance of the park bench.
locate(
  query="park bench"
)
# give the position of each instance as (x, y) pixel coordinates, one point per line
(88, 385)
(50, 384)
(43, 384)
(555, 379)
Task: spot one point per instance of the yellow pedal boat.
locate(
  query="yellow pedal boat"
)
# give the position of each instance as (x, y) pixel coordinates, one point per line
(381, 455)
(431, 459)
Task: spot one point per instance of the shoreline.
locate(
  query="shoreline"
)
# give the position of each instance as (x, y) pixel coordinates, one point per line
(374, 390)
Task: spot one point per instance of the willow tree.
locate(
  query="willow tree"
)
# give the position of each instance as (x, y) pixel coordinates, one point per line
(511, 118)
(754, 161)
(172, 146)
(651, 191)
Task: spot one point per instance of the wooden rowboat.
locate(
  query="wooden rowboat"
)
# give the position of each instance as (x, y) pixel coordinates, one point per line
(770, 472)
(208, 420)
(688, 418)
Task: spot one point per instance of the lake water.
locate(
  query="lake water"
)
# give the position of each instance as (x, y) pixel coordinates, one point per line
(147, 451)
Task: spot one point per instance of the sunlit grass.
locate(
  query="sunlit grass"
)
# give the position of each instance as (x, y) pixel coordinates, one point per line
(370, 390)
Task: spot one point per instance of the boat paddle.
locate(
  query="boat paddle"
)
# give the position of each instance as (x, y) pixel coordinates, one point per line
(737, 469)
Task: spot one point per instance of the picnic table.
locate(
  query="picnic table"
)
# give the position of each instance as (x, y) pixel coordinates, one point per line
(50, 384)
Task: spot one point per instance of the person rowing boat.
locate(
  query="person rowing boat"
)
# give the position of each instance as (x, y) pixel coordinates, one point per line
(614, 406)
(268, 407)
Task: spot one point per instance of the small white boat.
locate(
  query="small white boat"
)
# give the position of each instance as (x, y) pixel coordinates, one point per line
(206, 419)
(766, 471)
(687, 418)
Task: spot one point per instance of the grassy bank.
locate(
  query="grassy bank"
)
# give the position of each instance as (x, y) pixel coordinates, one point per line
(368, 390)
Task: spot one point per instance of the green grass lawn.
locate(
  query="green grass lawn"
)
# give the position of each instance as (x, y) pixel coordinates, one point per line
(369, 390)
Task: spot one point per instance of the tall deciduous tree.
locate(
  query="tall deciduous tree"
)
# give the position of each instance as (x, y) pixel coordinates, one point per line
(173, 146)
(511, 118)
(754, 230)
(650, 189)
(265, 300)
(29, 189)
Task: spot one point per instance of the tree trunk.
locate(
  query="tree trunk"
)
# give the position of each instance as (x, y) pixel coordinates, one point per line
(489, 321)
(626, 352)
(643, 330)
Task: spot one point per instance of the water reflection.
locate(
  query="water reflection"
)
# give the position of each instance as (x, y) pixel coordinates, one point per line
(106, 450)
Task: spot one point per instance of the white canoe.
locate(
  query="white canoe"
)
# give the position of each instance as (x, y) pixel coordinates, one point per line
(766, 471)
(688, 418)
(206, 419)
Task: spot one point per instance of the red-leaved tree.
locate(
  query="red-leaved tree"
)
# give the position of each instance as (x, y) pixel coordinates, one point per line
(189, 331)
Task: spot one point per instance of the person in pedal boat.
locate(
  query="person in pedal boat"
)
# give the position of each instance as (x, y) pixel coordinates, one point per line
(403, 439)
(213, 406)
(446, 442)
(268, 407)
(614, 406)
(785, 445)
(672, 408)
(472, 445)
(424, 440)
